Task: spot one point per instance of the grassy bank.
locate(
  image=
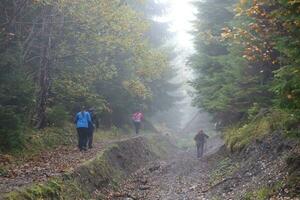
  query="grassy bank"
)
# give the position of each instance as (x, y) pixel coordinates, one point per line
(49, 142)
(50, 138)
(239, 136)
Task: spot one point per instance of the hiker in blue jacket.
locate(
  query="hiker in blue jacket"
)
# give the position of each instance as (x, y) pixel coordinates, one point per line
(82, 121)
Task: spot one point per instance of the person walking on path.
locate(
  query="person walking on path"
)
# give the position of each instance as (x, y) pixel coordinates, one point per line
(200, 140)
(82, 121)
(91, 130)
(137, 119)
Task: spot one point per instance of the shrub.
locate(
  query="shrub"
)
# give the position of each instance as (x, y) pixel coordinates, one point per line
(10, 131)
(49, 138)
(239, 136)
(57, 116)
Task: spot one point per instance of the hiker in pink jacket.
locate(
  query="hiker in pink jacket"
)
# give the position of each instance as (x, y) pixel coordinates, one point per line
(137, 118)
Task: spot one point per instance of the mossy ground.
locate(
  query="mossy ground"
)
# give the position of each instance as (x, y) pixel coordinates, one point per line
(43, 140)
(49, 139)
(264, 193)
(240, 136)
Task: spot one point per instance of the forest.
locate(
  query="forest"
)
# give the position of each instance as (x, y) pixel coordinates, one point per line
(246, 66)
(149, 99)
(59, 55)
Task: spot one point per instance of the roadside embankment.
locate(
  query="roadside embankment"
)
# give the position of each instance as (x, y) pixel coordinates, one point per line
(106, 169)
(267, 168)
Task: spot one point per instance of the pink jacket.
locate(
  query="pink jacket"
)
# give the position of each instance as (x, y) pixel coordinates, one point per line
(137, 117)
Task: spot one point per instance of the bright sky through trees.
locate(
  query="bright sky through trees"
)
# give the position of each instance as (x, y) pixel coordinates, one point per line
(180, 14)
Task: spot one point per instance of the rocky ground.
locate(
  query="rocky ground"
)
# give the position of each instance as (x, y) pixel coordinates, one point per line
(267, 169)
(258, 172)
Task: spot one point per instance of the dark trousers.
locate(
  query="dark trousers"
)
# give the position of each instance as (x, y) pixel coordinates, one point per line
(200, 147)
(82, 138)
(137, 126)
(90, 138)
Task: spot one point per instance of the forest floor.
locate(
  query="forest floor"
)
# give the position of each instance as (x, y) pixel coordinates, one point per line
(47, 164)
(258, 172)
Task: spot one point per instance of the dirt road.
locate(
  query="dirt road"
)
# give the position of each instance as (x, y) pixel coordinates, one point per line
(257, 173)
(181, 177)
(260, 169)
(45, 165)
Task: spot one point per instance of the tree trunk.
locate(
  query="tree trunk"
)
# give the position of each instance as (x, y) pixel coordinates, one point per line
(44, 75)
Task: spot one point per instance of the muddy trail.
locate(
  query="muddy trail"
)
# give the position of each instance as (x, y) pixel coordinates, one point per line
(179, 176)
(218, 175)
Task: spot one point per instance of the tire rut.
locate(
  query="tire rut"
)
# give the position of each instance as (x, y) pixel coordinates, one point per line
(180, 177)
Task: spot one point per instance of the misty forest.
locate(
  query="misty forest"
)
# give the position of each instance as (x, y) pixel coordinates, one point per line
(150, 99)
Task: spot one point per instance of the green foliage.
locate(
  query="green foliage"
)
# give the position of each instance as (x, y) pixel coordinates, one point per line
(217, 65)
(11, 136)
(50, 190)
(35, 141)
(293, 178)
(264, 192)
(239, 136)
(113, 134)
(56, 56)
(57, 116)
(3, 171)
(44, 191)
(247, 63)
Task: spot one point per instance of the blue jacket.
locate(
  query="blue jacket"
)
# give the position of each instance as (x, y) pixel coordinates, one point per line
(82, 120)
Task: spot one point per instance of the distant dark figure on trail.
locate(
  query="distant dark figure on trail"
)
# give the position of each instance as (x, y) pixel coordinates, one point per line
(91, 129)
(82, 121)
(137, 119)
(200, 140)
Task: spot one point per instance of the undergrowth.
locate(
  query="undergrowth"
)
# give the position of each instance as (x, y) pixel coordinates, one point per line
(36, 141)
(49, 138)
(114, 133)
(51, 190)
(264, 192)
(239, 136)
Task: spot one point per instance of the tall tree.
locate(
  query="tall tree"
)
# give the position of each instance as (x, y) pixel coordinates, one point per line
(247, 60)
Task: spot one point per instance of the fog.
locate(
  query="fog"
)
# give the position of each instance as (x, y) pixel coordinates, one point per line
(180, 15)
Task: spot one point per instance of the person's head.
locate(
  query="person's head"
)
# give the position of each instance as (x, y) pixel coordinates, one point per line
(136, 110)
(82, 108)
(91, 110)
(201, 131)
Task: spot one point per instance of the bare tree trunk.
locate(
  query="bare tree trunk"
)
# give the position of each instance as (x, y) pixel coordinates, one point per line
(44, 84)
(44, 75)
